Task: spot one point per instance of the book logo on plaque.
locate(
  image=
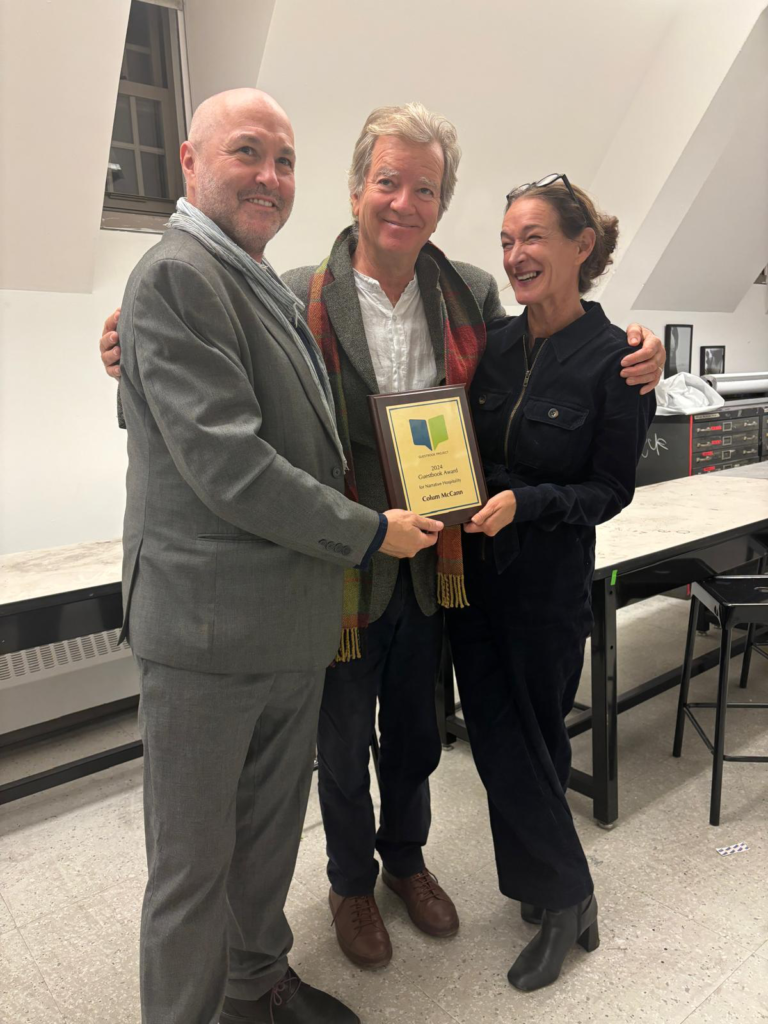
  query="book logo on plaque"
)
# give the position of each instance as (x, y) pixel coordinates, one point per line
(429, 433)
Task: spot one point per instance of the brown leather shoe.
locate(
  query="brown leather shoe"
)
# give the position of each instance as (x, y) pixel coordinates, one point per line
(429, 907)
(360, 930)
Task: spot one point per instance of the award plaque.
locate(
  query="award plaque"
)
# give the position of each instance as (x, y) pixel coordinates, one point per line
(429, 454)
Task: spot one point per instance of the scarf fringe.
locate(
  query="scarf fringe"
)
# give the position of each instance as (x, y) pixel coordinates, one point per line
(349, 645)
(451, 592)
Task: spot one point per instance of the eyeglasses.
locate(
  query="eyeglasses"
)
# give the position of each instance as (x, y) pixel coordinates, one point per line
(550, 179)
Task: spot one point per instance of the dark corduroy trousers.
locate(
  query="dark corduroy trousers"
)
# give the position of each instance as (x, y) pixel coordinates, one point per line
(518, 651)
(399, 670)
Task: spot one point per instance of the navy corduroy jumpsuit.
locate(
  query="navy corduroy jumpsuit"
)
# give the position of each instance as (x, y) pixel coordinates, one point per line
(558, 426)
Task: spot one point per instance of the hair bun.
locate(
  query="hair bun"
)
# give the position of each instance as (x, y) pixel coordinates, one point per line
(606, 239)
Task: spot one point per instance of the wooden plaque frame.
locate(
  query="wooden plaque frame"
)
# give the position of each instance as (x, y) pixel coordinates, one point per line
(390, 460)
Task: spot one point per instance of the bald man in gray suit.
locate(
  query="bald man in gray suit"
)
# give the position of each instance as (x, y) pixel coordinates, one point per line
(235, 541)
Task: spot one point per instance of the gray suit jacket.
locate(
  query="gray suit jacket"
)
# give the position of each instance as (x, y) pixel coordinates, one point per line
(236, 533)
(359, 381)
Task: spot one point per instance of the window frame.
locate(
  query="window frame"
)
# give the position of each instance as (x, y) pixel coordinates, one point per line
(136, 212)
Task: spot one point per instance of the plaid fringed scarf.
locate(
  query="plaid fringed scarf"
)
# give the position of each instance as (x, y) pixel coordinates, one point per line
(464, 340)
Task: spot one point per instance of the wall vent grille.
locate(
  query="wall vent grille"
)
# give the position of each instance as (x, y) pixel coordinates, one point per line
(54, 659)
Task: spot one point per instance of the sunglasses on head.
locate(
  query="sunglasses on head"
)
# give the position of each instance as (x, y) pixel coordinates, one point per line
(549, 179)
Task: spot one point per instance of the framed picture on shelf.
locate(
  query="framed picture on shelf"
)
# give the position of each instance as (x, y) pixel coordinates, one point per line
(711, 359)
(678, 341)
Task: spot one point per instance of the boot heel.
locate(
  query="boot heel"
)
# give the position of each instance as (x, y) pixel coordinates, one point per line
(590, 939)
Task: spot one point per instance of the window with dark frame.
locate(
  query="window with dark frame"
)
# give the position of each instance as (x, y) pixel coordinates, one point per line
(143, 172)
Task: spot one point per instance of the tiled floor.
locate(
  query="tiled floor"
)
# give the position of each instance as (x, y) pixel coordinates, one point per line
(684, 931)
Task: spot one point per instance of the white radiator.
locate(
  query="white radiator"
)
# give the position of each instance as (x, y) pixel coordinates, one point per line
(56, 659)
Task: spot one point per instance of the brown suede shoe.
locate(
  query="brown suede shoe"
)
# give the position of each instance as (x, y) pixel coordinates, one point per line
(360, 930)
(429, 907)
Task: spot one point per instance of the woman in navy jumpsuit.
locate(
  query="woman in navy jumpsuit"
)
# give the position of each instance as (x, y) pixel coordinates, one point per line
(560, 434)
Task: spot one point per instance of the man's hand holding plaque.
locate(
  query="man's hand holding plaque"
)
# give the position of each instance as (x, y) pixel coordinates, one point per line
(429, 453)
(407, 533)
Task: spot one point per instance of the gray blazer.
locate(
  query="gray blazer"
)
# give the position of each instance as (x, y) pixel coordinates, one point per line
(359, 381)
(236, 534)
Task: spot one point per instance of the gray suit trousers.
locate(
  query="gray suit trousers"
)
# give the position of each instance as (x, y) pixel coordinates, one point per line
(227, 771)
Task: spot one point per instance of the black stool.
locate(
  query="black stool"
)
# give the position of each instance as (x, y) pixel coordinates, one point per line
(733, 600)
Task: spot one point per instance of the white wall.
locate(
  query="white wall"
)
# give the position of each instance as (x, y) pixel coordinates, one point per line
(743, 332)
(62, 457)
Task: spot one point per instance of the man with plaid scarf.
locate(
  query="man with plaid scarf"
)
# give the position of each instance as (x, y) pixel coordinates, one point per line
(391, 313)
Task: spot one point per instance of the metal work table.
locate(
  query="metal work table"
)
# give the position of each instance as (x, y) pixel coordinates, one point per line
(673, 534)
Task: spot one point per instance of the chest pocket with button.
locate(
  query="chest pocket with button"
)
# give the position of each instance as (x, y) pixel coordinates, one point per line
(553, 436)
(490, 414)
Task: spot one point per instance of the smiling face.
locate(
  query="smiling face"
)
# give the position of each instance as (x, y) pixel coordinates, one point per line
(240, 168)
(542, 264)
(398, 207)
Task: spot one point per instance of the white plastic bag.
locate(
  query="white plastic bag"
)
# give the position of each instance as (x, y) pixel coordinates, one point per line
(684, 393)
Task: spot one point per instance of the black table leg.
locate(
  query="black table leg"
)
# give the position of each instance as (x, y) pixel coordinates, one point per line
(605, 771)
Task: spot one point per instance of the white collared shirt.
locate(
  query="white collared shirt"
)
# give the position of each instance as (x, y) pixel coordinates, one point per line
(398, 337)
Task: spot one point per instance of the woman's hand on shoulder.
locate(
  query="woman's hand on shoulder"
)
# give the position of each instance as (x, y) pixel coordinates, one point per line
(498, 512)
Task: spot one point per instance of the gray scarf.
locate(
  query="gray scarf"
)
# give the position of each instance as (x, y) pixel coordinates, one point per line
(277, 297)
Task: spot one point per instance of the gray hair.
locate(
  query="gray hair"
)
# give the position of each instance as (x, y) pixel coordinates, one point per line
(414, 123)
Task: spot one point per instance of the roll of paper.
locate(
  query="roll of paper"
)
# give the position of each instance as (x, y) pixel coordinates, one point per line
(754, 386)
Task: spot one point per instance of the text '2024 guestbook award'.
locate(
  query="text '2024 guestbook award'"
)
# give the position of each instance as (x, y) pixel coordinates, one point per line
(429, 453)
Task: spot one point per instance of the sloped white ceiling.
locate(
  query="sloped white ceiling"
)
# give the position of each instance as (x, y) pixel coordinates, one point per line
(722, 242)
(533, 86)
(59, 73)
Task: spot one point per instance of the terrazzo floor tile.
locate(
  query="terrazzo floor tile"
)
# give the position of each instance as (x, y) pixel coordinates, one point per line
(670, 852)
(24, 995)
(89, 846)
(740, 999)
(684, 931)
(652, 966)
(7, 924)
(460, 972)
(88, 954)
